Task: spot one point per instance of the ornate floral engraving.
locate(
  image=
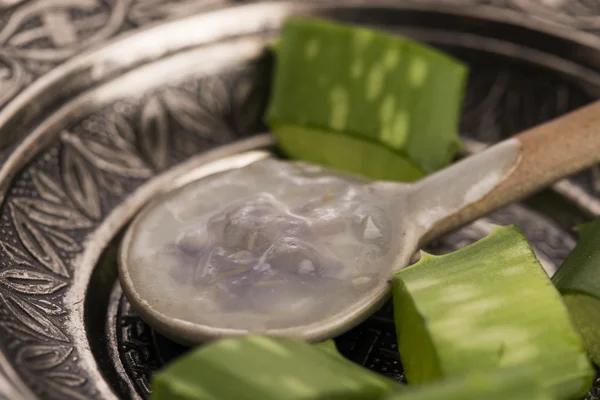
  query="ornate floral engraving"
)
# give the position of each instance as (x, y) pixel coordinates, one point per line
(33, 322)
(37, 358)
(12, 76)
(48, 31)
(39, 243)
(35, 36)
(146, 11)
(67, 193)
(46, 187)
(30, 282)
(495, 92)
(572, 13)
(154, 125)
(35, 274)
(7, 4)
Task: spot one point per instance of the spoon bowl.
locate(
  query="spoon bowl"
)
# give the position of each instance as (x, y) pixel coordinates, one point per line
(258, 248)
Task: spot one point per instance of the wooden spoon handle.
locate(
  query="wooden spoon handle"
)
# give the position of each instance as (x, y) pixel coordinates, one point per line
(548, 152)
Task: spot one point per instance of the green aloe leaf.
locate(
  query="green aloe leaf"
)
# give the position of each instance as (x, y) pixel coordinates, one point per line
(503, 384)
(487, 306)
(267, 368)
(355, 155)
(374, 87)
(328, 346)
(578, 280)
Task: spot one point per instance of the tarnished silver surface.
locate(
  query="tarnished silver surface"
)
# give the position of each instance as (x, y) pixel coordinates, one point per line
(99, 98)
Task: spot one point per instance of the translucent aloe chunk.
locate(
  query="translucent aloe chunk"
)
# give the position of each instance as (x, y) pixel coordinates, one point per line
(487, 306)
(371, 85)
(578, 280)
(510, 384)
(267, 368)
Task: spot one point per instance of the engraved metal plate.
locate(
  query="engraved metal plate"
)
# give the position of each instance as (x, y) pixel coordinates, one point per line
(101, 100)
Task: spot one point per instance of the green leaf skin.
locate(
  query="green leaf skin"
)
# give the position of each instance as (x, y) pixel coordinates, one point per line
(579, 272)
(511, 384)
(372, 85)
(578, 280)
(487, 306)
(359, 156)
(328, 346)
(267, 368)
(585, 313)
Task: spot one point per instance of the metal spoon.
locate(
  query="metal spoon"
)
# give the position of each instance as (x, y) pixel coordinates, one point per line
(259, 249)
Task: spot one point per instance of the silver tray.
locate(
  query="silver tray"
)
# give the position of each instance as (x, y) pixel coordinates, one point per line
(103, 102)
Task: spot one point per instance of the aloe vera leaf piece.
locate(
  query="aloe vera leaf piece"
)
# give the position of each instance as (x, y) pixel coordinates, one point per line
(370, 84)
(585, 313)
(267, 368)
(578, 280)
(328, 346)
(578, 273)
(503, 384)
(358, 156)
(489, 305)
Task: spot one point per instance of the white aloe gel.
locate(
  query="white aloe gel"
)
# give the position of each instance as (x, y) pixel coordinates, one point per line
(265, 246)
(278, 245)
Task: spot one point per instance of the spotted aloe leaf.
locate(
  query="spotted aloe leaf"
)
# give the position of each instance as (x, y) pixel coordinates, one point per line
(267, 368)
(578, 280)
(384, 92)
(487, 306)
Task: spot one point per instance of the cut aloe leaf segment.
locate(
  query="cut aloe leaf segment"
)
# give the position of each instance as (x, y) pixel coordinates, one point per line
(578, 280)
(346, 153)
(510, 384)
(291, 369)
(267, 368)
(328, 346)
(487, 306)
(380, 90)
